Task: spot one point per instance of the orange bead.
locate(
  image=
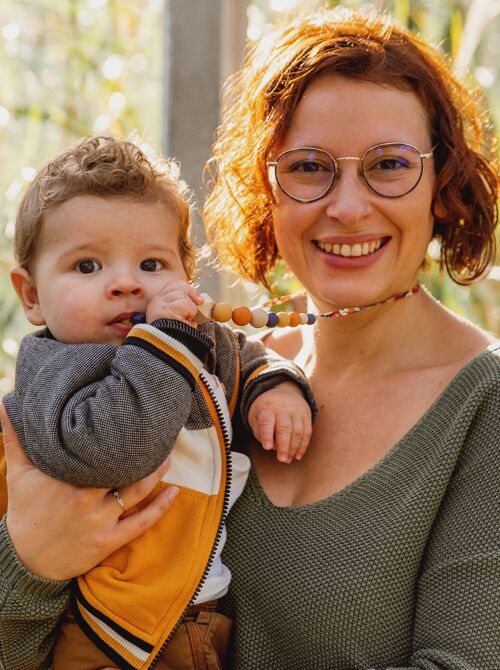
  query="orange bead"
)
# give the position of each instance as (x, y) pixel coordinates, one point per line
(222, 312)
(283, 319)
(241, 315)
(294, 319)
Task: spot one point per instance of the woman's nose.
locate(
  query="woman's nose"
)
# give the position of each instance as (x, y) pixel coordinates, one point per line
(349, 200)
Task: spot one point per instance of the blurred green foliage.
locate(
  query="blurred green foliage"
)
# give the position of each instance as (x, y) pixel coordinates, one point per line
(68, 68)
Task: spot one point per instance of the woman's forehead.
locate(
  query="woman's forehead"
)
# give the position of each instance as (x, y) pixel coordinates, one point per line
(344, 111)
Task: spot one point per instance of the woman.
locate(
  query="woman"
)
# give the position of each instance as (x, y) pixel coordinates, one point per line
(345, 148)
(348, 146)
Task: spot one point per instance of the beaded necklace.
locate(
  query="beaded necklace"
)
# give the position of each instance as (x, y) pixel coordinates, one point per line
(259, 317)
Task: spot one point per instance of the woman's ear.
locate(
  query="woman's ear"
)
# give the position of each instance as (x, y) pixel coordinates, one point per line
(438, 208)
(25, 288)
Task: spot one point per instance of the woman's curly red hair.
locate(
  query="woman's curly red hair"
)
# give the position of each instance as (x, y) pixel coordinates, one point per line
(260, 101)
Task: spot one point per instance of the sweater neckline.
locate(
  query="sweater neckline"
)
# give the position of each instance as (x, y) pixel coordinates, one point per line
(254, 482)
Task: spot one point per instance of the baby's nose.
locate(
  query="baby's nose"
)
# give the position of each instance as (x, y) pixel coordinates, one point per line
(125, 285)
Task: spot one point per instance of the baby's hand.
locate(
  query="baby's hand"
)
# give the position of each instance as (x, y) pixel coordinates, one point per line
(178, 300)
(281, 419)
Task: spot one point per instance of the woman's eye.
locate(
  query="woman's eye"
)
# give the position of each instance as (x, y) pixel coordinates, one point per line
(151, 265)
(390, 164)
(308, 166)
(88, 266)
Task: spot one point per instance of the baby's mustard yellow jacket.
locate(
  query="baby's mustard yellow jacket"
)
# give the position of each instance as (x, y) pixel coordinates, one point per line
(97, 415)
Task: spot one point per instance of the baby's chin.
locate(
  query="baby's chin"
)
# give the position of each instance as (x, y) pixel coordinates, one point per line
(106, 336)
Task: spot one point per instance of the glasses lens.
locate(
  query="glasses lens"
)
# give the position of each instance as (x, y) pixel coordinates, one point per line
(305, 174)
(392, 169)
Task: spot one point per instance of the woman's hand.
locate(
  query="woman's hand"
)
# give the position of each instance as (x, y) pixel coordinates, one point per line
(60, 531)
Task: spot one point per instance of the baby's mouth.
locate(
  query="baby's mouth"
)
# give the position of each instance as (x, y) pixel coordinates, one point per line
(125, 319)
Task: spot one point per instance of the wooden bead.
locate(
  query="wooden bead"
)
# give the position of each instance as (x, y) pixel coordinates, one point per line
(283, 319)
(241, 315)
(205, 310)
(259, 317)
(294, 319)
(222, 312)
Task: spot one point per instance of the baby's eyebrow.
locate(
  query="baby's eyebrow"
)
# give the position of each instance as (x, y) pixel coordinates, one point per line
(84, 249)
(159, 249)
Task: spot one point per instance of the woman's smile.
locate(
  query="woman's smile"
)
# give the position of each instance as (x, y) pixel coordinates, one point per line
(350, 250)
(350, 256)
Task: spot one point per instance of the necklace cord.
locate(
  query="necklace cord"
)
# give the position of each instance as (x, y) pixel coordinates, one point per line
(258, 317)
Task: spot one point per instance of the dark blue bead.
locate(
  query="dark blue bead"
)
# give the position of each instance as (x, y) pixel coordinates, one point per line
(138, 317)
(311, 319)
(272, 320)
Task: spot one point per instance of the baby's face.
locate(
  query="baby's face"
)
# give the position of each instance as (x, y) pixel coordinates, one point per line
(100, 260)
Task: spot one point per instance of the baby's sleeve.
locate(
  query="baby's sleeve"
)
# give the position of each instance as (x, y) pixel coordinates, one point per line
(101, 416)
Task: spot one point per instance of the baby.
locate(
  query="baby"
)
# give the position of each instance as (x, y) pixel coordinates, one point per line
(103, 232)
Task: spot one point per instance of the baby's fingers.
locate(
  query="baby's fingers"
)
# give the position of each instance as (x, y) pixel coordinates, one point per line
(283, 435)
(296, 437)
(303, 437)
(265, 428)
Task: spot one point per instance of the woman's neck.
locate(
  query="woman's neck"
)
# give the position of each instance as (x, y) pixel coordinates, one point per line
(382, 337)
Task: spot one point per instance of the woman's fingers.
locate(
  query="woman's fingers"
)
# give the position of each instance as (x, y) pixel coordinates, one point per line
(134, 493)
(137, 523)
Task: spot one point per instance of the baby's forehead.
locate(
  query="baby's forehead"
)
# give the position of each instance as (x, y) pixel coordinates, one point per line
(112, 224)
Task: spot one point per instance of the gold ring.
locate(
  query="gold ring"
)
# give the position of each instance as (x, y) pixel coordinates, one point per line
(118, 497)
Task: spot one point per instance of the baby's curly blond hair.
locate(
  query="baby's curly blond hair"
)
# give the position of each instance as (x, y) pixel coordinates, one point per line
(104, 167)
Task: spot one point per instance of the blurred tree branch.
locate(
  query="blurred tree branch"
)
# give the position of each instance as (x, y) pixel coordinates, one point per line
(480, 13)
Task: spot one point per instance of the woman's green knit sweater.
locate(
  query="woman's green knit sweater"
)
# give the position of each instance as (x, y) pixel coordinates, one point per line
(401, 569)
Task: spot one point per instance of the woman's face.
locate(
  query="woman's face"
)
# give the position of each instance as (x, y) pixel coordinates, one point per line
(354, 246)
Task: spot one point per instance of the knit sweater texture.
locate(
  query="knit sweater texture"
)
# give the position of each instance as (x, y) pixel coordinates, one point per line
(400, 569)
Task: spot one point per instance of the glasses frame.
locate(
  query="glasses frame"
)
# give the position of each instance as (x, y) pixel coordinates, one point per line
(272, 165)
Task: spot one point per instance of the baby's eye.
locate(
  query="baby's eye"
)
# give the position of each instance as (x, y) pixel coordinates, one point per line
(88, 266)
(151, 265)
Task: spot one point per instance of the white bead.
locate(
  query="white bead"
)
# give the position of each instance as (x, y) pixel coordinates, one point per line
(303, 318)
(259, 317)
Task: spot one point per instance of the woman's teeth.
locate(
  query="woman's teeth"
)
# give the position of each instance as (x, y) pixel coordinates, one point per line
(348, 250)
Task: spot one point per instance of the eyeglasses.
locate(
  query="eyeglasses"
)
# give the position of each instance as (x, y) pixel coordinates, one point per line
(307, 174)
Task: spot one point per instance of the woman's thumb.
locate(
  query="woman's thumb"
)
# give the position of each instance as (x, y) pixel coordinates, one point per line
(14, 453)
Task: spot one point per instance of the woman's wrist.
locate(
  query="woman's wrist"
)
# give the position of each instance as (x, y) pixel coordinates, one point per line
(15, 572)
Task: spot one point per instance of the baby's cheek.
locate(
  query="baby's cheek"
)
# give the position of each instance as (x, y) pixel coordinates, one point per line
(76, 322)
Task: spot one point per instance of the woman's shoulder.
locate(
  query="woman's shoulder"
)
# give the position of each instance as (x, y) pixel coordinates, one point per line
(487, 362)
(476, 386)
(456, 343)
(286, 343)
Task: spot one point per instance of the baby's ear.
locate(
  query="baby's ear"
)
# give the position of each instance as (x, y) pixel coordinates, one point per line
(25, 288)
